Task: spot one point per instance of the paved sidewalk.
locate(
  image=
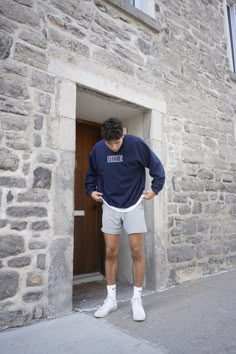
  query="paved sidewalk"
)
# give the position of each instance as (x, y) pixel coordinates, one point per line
(193, 318)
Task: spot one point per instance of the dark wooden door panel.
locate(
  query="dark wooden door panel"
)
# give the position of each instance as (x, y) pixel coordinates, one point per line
(88, 239)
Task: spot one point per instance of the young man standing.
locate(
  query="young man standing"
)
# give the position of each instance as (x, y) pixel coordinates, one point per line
(116, 177)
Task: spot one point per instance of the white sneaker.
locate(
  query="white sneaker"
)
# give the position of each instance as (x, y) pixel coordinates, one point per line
(137, 308)
(109, 306)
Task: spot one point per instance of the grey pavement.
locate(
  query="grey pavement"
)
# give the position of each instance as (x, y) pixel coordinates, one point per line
(194, 317)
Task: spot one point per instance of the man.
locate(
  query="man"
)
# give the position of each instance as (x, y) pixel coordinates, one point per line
(116, 177)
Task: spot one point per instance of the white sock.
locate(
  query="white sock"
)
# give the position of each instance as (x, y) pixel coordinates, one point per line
(111, 291)
(137, 292)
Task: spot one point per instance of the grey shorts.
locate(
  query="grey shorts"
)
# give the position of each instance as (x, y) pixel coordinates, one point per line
(133, 221)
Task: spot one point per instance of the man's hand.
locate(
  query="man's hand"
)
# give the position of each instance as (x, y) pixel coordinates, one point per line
(96, 196)
(148, 195)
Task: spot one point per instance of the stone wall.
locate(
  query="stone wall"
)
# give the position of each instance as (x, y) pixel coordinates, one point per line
(201, 102)
(186, 61)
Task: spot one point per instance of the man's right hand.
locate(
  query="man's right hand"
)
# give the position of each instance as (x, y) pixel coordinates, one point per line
(97, 196)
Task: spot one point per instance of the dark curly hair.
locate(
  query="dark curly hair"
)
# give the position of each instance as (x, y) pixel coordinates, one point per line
(112, 129)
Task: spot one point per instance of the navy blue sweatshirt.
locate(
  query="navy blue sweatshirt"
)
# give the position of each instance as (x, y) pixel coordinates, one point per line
(120, 176)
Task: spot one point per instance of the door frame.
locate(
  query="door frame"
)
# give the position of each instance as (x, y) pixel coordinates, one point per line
(93, 76)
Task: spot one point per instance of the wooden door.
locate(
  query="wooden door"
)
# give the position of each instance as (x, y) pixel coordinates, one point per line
(88, 239)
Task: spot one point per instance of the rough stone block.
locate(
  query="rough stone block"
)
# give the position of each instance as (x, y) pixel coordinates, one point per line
(40, 225)
(187, 274)
(47, 157)
(114, 61)
(41, 261)
(11, 245)
(181, 253)
(26, 168)
(36, 38)
(202, 225)
(21, 212)
(37, 140)
(184, 209)
(37, 245)
(192, 184)
(19, 262)
(227, 177)
(43, 100)
(10, 197)
(42, 81)
(180, 198)
(33, 196)
(209, 249)
(233, 210)
(38, 121)
(32, 296)
(9, 281)
(15, 107)
(42, 178)
(69, 44)
(11, 67)
(15, 123)
(231, 188)
(25, 2)
(192, 156)
(30, 56)
(6, 25)
(80, 11)
(13, 318)
(3, 223)
(189, 227)
(8, 160)
(111, 27)
(175, 232)
(19, 13)
(126, 53)
(5, 45)
(197, 208)
(34, 279)
(18, 144)
(12, 182)
(65, 25)
(13, 86)
(213, 208)
(18, 226)
(144, 46)
(215, 186)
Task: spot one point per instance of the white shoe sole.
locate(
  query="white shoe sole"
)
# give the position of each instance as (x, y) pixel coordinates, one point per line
(139, 319)
(101, 316)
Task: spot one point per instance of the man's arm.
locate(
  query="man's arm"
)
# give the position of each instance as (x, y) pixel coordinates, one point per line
(91, 178)
(156, 171)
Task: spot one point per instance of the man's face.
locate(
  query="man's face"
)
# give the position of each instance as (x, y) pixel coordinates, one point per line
(114, 145)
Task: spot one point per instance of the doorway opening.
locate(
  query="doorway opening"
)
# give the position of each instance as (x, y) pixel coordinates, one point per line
(92, 108)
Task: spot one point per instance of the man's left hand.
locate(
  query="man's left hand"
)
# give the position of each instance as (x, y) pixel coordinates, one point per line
(148, 195)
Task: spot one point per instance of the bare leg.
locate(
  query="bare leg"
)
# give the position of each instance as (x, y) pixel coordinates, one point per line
(110, 303)
(136, 248)
(111, 242)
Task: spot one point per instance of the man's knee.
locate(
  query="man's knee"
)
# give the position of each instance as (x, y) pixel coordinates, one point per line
(111, 252)
(136, 253)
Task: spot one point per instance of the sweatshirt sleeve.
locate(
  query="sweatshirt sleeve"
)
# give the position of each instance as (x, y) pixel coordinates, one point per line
(91, 178)
(156, 169)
